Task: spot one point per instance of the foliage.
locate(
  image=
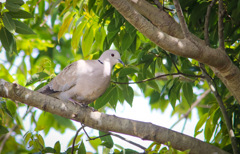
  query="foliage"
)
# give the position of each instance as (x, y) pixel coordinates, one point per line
(41, 37)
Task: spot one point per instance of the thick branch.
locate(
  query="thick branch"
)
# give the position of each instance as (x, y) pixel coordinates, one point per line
(222, 108)
(104, 122)
(163, 37)
(181, 47)
(159, 18)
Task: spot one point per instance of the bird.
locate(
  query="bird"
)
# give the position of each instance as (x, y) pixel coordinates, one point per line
(83, 81)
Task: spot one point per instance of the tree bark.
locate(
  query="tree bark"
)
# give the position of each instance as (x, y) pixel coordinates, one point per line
(165, 32)
(104, 122)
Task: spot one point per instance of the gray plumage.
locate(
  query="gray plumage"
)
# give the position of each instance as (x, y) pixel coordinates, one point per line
(83, 81)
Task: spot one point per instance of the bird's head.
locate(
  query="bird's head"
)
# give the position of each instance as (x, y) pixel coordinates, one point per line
(111, 56)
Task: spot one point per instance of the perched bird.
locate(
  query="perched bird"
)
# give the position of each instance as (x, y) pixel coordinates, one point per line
(83, 81)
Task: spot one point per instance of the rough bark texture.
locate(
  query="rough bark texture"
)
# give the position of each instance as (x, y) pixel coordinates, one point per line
(104, 122)
(167, 34)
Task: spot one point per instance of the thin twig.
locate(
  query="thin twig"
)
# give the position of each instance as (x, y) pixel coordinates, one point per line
(228, 123)
(85, 131)
(191, 108)
(131, 142)
(116, 135)
(6, 137)
(206, 24)
(94, 138)
(74, 139)
(159, 76)
(159, 5)
(175, 65)
(181, 19)
(220, 24)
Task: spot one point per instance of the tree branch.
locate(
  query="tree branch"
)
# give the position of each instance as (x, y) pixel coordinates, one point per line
(6, 137)
(206, 24)
(159, 5)
(104, 122)
(222, 108)
(126, 140)
(74, 139)
(191, 108)
(163, 37)
(220, 24)
(156, 16)
(159, 76)
(181, 18)
(181, 47)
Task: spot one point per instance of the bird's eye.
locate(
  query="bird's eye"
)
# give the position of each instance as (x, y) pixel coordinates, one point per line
(112, 55)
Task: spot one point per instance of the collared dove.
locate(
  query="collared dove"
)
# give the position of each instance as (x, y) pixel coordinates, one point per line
(83, 81)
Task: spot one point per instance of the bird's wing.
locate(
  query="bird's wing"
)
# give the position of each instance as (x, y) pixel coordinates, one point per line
(64, 81)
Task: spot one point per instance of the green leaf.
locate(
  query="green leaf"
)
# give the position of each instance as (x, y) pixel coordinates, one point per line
(104, 99)
(49, 150)
(127, 40)
(22, 28)
(106, 140)
(11, 106)
(188, 92)
(129, 27)
(36, 77)
(20, 14)
(45, 122)
(77, 33)
(41, 9)
(126, 71)
(40, 140)
(8, 41)
(90, 4)
(114, 98)
(18, 2)
(27, 137)
(128, 94)
(3, 106)
(57, 147)
(78, 138)
(209, 129)
(174, 92)
(200, 123)
(95, 143)
(4, 73)
(3, 130)
(64, 122)
(82, 149)
(87, 40)
(155, 96)
(8, 22)
(67, 19)
(13, 7)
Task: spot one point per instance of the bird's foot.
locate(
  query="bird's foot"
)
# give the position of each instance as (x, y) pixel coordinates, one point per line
(84, 105)
(77, 103)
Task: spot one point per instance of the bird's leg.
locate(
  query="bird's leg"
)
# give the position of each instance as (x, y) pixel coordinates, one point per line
(79, 103)
(82, 104)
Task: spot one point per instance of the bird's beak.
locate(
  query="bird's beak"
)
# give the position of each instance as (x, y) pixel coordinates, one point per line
(120, 61)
